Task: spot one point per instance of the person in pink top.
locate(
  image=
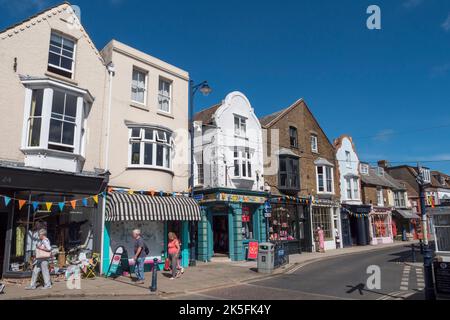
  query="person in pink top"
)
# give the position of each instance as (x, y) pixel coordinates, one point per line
(174, 252)
(321, 236)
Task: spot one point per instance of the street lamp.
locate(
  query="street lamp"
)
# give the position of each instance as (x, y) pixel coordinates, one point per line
(206, 90)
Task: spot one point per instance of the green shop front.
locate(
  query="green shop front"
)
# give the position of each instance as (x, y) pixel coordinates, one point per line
(155, 216)
(230, 221)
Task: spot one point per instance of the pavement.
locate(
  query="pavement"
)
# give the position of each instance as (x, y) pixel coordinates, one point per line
(205, 277)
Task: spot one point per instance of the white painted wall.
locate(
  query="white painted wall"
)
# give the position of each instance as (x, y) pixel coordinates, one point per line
(348, 169)
(218, 145)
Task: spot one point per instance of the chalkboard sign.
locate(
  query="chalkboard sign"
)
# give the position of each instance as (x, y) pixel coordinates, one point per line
(442, 277)
(119, 263)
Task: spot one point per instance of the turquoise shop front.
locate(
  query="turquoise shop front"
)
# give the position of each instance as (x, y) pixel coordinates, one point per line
(230, 220)
(155, 216)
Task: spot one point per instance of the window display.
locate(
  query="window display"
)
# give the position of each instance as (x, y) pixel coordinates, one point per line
(321, 217)
(247, 224)
(284, 223)
(380, 225)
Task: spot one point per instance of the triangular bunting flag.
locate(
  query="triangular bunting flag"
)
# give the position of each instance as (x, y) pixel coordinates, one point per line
(22, 203)
(49, 206)
(110, 189)
(85, 202)
(7, 200)
(35, 205)
(161, 194)
(95, 199)
(152, 193)
(73, 203)
(61, 206)
(130, 192)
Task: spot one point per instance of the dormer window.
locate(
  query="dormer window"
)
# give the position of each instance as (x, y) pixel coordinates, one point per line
(380, 171)
(364, 169)
(61, 59)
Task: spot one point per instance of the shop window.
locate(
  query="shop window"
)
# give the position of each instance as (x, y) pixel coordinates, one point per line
(289, 177)
(247, 224)
(284, 223)
(380, 225)
(321, 217)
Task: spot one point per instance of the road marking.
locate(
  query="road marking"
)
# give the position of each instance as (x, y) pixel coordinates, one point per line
(420, 279)
(294, 269)
(404, 285)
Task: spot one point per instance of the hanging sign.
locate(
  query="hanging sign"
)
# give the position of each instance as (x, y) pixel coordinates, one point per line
(253, 248)
(119, 263)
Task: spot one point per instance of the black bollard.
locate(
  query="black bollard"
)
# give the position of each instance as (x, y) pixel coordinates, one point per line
(428, 273)
(154, 285)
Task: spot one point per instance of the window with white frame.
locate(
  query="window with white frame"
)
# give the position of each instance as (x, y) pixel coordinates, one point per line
(380, 197)
(325, 179)
(348, 159)
(426, 174)
(61, 59)
(314, 144)
(139, 86)
(352, 185)
(399, 199)
(242, 163)
(150, 147)
(364, 169)
(164, 95)
(54, 118)
(356, 188)
(348, 182)
(240, 126)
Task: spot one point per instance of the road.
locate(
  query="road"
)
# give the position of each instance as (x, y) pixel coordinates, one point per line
(339, 278)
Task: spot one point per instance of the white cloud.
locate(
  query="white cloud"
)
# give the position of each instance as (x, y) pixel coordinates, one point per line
(383, 135)
(446, 24)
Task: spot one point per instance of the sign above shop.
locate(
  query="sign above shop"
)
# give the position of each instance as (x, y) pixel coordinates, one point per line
(233, 198)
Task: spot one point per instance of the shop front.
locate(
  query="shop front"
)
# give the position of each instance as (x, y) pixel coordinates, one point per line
(355, 225)
(230, 221)
(325, 215)
(405, 225)
(381, 225)
(68, 206)
(155, 216)
(290, 224)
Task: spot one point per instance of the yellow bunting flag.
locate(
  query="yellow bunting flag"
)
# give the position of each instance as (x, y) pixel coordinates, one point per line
(73, 203)
(22, 203)
(95, 199)
(131, 192)
(49, 205)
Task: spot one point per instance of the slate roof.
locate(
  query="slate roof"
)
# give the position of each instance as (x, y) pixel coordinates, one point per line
(269, 118)
(206, 115)
(373, 178)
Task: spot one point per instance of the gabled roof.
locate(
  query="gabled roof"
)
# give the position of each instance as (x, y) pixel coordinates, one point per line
(385, 180)
(206, 116)
(43, 16)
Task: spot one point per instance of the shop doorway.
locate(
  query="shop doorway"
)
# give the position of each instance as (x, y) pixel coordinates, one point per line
(3, 227)
(220, 234)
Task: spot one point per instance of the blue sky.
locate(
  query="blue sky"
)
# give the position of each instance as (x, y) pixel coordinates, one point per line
(389, 88)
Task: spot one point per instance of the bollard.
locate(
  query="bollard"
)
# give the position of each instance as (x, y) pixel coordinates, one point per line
(428, 273)
(154, 285)
(413, 254)
(421, 246)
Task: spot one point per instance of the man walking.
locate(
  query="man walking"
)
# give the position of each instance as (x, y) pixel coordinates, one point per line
(140, 253)
(43, 255)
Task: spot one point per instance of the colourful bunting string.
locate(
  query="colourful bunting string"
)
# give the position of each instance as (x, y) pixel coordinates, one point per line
(95, 199)
(84, 202)
(49, 206)
(35, 205)
(7, 201)
(73, 203)
(22, 203)
(61, 206)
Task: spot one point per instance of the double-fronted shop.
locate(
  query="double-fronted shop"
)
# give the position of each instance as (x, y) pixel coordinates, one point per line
(230, 220)
(67, 205)
(155, 214)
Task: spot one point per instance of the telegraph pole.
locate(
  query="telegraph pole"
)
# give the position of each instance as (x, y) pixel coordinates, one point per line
(427, 252)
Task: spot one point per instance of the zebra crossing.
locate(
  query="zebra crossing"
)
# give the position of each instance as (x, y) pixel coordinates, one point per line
(407, 288)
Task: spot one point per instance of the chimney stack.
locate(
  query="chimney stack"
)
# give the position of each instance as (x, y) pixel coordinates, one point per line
(383, 164)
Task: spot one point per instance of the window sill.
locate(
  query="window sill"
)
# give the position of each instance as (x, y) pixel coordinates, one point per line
(165, 114)
(240, 137)
(139, 106)
(44, 151)
(61, 78)
(150, 168)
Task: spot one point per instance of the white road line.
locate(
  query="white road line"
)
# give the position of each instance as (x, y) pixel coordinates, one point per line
(404, 285)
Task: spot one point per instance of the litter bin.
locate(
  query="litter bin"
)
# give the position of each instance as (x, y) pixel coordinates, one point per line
(266, 256)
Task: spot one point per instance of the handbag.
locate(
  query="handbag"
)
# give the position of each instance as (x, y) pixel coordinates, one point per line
(41, 254)
(167, 265)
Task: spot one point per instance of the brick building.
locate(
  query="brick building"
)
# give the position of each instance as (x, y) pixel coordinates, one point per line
(299, 171)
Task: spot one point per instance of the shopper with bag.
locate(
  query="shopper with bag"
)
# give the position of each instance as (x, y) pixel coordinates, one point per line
(42, 257)
(174, 252)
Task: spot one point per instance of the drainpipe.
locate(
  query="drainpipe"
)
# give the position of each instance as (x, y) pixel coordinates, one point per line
(111, 72)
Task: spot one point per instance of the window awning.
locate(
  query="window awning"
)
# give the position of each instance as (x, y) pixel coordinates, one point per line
(137, 207)
(407, 214)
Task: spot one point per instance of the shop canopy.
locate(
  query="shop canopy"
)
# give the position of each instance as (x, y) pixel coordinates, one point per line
(137, 207)
(407, 214)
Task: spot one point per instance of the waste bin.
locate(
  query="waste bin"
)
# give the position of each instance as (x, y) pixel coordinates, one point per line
(266, 256)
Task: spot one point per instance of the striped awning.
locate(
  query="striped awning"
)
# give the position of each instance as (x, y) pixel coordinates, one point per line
(137, 207)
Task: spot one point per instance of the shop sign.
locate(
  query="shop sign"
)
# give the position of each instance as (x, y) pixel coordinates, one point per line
(253, 248)
(442, 277)
(119, 262)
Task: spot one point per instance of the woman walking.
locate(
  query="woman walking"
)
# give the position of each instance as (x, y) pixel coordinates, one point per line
(43, 254)
(174, 252)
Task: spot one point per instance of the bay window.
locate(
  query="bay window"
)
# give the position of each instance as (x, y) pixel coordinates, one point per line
(150, 147)
(289, 177)
(54, 116)
(325, 179)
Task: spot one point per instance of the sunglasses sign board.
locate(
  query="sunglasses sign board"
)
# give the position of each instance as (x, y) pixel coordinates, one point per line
(119, 263)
